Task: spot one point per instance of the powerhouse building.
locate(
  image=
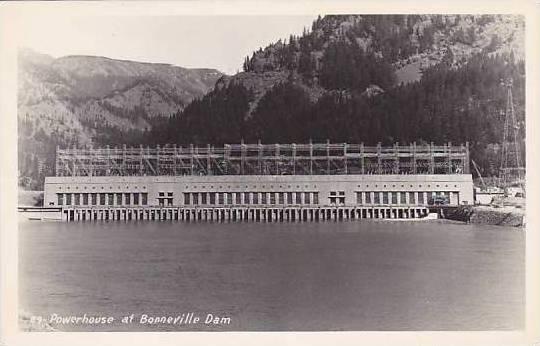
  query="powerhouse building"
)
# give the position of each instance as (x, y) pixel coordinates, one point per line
(261, 176)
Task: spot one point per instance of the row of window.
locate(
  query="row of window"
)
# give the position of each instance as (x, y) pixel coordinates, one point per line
(414, 197)
(102, 198)
(262, 198)
(213, 198)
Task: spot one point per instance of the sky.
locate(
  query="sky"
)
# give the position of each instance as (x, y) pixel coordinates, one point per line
(220, 42)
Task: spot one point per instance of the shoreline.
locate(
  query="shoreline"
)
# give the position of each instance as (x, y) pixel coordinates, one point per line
(508, 216)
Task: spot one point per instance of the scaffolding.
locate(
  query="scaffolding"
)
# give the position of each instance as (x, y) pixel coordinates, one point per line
(264, 159)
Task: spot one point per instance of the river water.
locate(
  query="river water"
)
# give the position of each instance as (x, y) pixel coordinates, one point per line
(368, 275)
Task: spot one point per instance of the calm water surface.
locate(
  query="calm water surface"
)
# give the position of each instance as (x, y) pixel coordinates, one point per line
(277, 276)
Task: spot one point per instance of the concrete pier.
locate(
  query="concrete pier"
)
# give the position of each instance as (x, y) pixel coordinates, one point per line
(255, 214)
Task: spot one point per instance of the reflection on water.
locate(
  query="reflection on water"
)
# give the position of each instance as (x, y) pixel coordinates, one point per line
(277, 276)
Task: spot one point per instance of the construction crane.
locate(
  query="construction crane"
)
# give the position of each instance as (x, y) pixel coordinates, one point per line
(479, 175)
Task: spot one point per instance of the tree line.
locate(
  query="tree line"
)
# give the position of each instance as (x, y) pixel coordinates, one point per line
(448, 104)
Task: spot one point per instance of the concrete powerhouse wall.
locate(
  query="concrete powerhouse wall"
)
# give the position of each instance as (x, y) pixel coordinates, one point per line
(323, 184)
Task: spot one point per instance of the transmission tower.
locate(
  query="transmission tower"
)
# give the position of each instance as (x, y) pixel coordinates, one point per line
(511, 171)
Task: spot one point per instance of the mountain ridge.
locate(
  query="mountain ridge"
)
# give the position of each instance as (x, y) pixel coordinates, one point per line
(74, 100)
(410, 43)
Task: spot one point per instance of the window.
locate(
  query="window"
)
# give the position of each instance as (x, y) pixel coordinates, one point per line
(377, 198)
(77, 199)
(169, 201)
(94, 198)
(315, 198)
(359, 198)
(412, 200)
(119, 198)
(402, 198)
(394, 197)
(368, 197)
(238, 198)
(421, 199)
(385, 197)
(110, 198)
(195, 198)
(289, 198)
(136, 198)
(245, 196)
(85, 198)
(187, 198)
(169, 194)
(127, 197)
(264, 198)
(272, 198)
(229, 198)
(145, 198)
(255, 198)
(161, 194)
(281, 197)
(299, 197)
(307, 199)
(203, 198)
(60, 198)
(336, 197)
(212, 198)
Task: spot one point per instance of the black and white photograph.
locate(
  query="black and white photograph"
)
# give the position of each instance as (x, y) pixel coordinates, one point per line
(312, 171)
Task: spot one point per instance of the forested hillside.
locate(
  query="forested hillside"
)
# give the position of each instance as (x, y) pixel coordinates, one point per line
(339, 82)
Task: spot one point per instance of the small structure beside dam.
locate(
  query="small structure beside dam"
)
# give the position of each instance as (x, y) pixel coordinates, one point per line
(259, 182)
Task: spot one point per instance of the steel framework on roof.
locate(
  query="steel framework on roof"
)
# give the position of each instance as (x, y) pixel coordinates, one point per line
(264, 159)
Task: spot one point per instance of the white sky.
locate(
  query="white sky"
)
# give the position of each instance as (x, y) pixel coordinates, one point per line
(220, 42)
